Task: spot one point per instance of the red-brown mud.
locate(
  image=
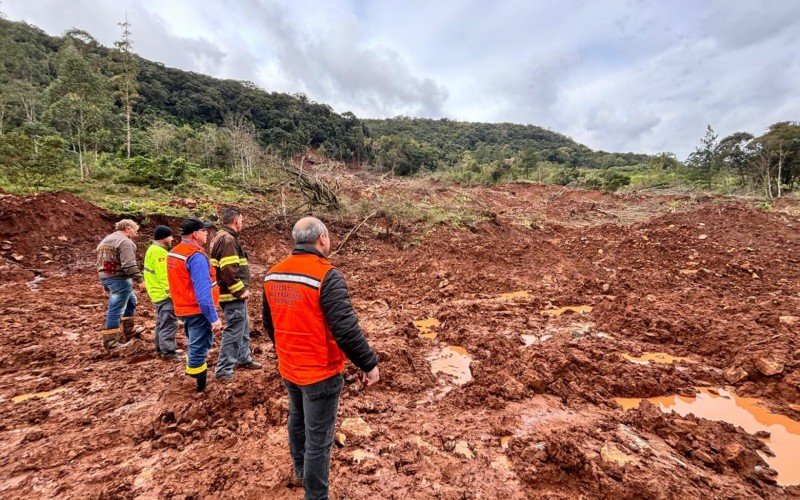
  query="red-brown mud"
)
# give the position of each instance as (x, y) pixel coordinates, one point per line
(704, 279)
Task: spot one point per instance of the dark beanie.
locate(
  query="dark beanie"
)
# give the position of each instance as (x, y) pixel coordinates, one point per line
(161, 232)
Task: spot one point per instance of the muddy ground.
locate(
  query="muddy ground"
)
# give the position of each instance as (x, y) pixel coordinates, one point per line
(715, 281)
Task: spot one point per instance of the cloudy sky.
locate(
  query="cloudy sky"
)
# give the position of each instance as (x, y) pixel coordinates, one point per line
(626, 75)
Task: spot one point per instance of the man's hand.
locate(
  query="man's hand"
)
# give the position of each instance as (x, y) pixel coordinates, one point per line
(245, 295)
(371, 376)
(216, 326)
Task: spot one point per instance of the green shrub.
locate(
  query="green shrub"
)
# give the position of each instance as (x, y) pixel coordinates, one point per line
(565, 176)
(162, 172)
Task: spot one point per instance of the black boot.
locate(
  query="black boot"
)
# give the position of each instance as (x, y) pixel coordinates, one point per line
(201, 378)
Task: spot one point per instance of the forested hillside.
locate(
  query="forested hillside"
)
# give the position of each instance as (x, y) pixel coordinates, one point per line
(495, 141)
(71, 108)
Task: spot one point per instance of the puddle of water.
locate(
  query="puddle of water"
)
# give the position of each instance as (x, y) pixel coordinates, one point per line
(453, 361)
(520, 294)
(784, 440)
(36, 395)
(425, 327)
(562, 310)
(660, 358)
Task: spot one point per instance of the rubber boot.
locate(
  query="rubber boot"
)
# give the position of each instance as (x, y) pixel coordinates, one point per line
(201, 378)
(127, 328)
(111, 338)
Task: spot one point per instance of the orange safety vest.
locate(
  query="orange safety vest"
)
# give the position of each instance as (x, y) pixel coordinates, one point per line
(180, 282)
(307, 351)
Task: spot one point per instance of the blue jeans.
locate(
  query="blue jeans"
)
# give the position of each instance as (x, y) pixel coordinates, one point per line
(312, 419)
(234, 348)
(121, 300)
(198, 329)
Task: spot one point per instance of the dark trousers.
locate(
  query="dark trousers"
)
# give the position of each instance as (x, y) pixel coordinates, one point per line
(234, 347)
(166, 327)
(312, 419)
(198, 329)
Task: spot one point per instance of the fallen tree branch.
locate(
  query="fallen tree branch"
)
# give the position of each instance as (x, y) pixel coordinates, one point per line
(341, 245)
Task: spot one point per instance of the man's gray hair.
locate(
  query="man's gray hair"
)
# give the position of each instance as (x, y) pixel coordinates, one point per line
(126, 224)
(308, 230)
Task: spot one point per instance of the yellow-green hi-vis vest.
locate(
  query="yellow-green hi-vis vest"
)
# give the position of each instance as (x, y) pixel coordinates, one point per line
(155, 273)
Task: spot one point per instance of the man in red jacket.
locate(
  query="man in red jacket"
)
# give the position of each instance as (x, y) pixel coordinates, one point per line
(308, 315)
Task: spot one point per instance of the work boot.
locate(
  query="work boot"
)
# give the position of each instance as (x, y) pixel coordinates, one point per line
(252, 365)
(174, 356)
(127, 328)
(201, 378)
(295, 480)
(110, 338)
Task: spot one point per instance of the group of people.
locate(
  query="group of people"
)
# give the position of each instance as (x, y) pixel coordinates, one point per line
(182, 282)
(306, 312)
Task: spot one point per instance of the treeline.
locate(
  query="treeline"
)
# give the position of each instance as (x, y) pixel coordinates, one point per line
(407, 145)
(69, 101)
(769, 163)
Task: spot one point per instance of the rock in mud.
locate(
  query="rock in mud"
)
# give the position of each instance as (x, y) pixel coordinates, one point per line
(769, 367)
(735, 374)
(612, 455)
(789, 320)
(703, 457)
(355, 427)
(172, 440)
(739, 457)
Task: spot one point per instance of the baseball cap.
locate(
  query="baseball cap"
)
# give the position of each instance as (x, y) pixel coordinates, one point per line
(193, 224)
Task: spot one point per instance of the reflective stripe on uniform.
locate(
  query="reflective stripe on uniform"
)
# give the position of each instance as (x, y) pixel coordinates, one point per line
(148, 270)
(243, 262)
(195, 371)
(236, 287)
(177, 256)
(226, 297)
(293, 278)
(214, 262)
(227, 261)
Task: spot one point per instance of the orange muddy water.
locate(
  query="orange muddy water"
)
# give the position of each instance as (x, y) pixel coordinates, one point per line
(747, 413)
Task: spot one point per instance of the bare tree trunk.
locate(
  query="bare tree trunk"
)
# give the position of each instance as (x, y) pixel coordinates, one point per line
(780, 169)
(127, 121)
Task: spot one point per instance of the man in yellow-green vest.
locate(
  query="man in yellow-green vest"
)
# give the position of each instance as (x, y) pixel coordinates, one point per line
(155, 280)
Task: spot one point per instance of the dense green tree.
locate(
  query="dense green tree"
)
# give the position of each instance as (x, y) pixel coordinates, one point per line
(79, 105)
(30, 161)
(732, 154)
(703, 161)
